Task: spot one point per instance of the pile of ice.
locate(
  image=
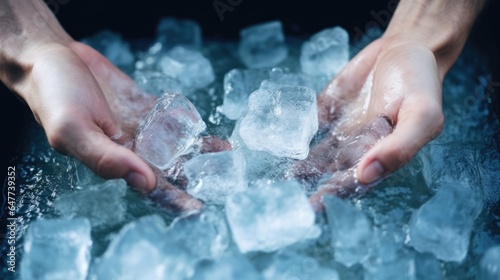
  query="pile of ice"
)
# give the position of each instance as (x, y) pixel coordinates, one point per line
(258, 223)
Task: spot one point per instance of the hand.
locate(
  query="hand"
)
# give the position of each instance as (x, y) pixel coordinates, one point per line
(83, 103)
(390, 83)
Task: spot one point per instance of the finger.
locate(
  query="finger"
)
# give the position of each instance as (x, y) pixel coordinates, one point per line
(414, 129)
(173, 199)
(347, 84)
(106, 158)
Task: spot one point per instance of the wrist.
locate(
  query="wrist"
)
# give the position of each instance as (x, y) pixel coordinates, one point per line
(442, 26)
(27, 28)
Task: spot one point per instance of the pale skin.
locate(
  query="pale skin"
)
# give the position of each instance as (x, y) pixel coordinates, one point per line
(79, 97)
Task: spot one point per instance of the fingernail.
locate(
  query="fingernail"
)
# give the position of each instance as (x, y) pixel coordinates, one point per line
(373, 172)
(136, 180)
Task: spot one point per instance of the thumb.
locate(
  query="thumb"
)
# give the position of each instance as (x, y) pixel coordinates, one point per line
(413, 130)
(107, 158)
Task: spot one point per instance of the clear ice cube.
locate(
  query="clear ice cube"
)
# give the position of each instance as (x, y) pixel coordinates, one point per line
(141, 250)
(325, 53)
(157, 83)
(188, 66)
(57, 249)
(442, 226)
(102, 204)
(351, 231)
(263, 45)
(280, 78)
(281, 122)
(214, 176)
(169, 131)
(173, 32)
(270, 217)
(226, 268)
(489, 266)
(290, 265)
(238, 85)
(204, 234)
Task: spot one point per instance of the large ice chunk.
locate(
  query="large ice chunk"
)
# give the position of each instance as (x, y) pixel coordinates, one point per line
(102, 204)
(489, 266)
(263, 45)
(238, 85)
(281, 122)
(188, 66)
(157, 83)
(113, 47)
(326, 52)
(443, 224)
(169, 131)
(173, 32)
(290, 265)
(57, 249)
(351, 231)
(270, 217)
(214, 176)
(141, 250)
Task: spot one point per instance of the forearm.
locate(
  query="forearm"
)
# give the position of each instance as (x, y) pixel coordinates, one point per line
(25, 25)
(441, 25)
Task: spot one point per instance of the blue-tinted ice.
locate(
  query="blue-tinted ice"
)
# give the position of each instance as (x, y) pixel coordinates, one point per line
(406, 228)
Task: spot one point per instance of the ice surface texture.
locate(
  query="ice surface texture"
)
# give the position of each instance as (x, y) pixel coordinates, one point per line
(57, 249)
(188, 66)
(326, 53)
(169, 131)
(489, 266)
(270, 217)
(238, 85)
(144, 244)
(178, 32)
(443, 224)
(281, 122)
(263, 45)
(214, 176)
(351, 231)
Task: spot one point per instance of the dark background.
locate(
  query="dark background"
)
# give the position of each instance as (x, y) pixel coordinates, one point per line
(138, 19)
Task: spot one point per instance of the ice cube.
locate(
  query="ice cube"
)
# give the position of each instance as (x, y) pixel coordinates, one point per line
(270, 217)
(351, 231)
(169, 131)
(326, 52)
(442, 226)
(489, 266)
(226, 268)
(102, 204)
(57, 249)
(259, 165)
(190, 67)
(173, 32)
(157, 83)
(281, 122)
(263, 45)
(238, 85)
(141, 250)
(113, 47)
(290, 265)
(214, 176)
(205, 234)
(280, 78)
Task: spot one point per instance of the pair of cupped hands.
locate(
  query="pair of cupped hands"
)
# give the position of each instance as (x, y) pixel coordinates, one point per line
(375, 115)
